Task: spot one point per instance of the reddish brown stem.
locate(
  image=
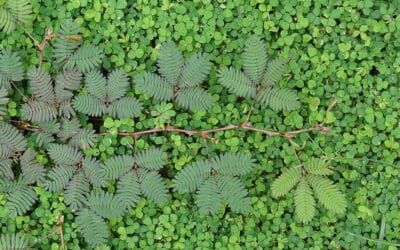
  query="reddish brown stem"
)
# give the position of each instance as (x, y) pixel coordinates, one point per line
(205, 133)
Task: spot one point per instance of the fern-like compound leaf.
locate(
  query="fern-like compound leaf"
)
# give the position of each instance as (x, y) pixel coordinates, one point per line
(288, 179)
(194, 98)
(304, 202)
(170, 62)
(89, 105)
(85, 58)
(117, 84)
(237, 82)
(105, 204)
(64, 154)
(96, 84)
(6, 171)
(11, 68)
(279, 99)
(65, 109)
(93, 227)
(11, 139)
(208, 198)
(41, 84)
(3, 101)
(196, 69)
(9, 186)
(13, 241)
(328, 193)
(77, 191)
(275, 70)
(21, 200)
(128, 190)
(50, 127)
(67, 81)
(317, 166)
(126, 107)
(153, 186)
(68, 128)
(39, 111)
(21, 10)
(254, 58)
(118, 166)
(15, 12)
(152, 159)
(233, 164)
(93, 170)
(84, 138)
(44, 139)
(154, 86)
(7, 23)
(59, 177)
(192, 176)
(234, 193)
(67, 42)
(32, 171)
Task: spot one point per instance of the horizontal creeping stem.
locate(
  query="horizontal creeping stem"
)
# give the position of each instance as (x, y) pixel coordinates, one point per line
(245, 126)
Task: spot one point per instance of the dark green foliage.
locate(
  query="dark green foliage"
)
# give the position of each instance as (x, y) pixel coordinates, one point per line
(328, 194)
(32, 171)
(39, 111)
(93, 171)
(59, 177)
(118, 166)
(243, 86)
(195, 71)
(215, 180)
(68, 49)
(128, 190)
(194, 98)
(106, 96)
(192, 176)
(259, 79)
(304, 202)
(64, 154)
(105, 204)
(6, 171)
(278, 99)
(255, 58)
(288, 179)
(274, 72)
(181, 79)
(3, 101)
(234, 193)
(85, 58)
(20, 197)
(317, 166)
(155, 86)
(11, 140)
(152, 159)
(11, 68)
(77, 191)
(89, 105)
(14, 12)
(310, 174)
(67, 81)
(208, 198)
(234, 164)
(13, 242)
(170, 62)
(41, 84)
(67, 42)
(93, 227)
(153, 186)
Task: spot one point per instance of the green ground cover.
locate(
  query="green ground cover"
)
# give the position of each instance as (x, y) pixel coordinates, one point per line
(348, 50)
